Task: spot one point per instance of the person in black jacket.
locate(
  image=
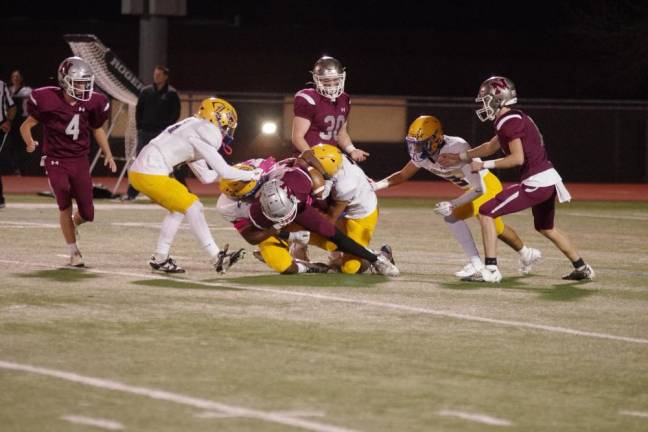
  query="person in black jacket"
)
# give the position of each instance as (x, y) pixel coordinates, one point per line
(158, 106)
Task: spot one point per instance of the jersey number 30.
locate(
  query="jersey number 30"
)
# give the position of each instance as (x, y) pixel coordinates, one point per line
(73, 127)
(332, 127)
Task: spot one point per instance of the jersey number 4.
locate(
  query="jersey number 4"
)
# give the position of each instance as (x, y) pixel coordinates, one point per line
(332, 127)
(73, 127)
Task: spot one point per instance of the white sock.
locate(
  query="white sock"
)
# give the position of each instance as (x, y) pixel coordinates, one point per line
(198, 224)
(463, 235)
(73, 248)
(170, 226)
(476, 261)
(524, 251)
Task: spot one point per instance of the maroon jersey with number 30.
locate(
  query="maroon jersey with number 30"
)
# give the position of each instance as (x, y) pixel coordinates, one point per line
(66, 127)
(326, 117)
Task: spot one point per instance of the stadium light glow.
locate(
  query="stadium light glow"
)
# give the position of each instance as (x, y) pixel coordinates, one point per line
(269, 128)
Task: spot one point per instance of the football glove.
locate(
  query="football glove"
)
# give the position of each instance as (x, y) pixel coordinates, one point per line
(443, 208)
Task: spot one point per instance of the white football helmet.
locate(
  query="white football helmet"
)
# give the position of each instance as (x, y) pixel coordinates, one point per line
(76, 78)
(277, 204)
(329, 76)
(495, 93)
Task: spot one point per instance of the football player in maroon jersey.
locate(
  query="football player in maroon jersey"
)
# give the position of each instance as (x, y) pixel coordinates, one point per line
(517, 135)
(321, 113)
(68, 114)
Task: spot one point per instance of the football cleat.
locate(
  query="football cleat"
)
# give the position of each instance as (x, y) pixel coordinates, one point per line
(583, 273)
(166, 266)
(76, 260)
(529, 258)
(314, 267)
(384, 266)
(226, 260)
(468, 271)
(491, 275)
(387, 251)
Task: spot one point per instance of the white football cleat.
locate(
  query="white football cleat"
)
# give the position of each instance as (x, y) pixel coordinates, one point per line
(491, 276)
(529, 258)
(384, 266)
(76, 260)
(467, 271)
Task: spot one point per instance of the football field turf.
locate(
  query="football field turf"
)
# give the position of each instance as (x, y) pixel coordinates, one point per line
(116, 347)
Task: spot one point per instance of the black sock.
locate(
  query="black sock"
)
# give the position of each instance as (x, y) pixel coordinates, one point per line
(346, 244)
(490, 261)
(578, 263)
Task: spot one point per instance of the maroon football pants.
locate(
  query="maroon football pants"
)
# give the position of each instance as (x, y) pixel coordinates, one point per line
(70, 178)
(517, 197)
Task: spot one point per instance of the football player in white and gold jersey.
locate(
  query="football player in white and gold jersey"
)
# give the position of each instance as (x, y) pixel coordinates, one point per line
(195, 140)
(425, 142)
(354, 206)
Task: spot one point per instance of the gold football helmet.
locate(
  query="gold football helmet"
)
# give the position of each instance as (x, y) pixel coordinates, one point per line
(239, 189)
(424, 137)
(222, 114)
(329, 156)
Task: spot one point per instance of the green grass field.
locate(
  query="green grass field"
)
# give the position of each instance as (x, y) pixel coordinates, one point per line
(116, 347)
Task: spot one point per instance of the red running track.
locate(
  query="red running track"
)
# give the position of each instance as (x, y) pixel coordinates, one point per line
(412, 189)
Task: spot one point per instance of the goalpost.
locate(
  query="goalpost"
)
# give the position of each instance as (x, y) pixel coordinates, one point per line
(116, 79)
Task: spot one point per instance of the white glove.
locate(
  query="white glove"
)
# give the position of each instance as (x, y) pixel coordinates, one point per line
(301, 237)
(443, 208)
(328, 185)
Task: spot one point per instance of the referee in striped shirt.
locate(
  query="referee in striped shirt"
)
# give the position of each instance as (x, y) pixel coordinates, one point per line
(7, 113)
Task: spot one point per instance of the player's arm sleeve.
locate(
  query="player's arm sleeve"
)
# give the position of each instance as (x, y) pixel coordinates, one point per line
(513, 127)
(35, 105)
(99, 114)
(477, 186)
(7, 101)
(202, 172)
(304, 106)
(217, 163)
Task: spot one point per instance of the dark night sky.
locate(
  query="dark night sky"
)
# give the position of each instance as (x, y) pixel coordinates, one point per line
(574, 49)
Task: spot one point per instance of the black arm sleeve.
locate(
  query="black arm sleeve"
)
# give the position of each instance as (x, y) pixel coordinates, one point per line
(346, 244)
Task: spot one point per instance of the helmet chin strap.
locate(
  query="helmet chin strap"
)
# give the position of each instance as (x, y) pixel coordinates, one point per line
(227, 149)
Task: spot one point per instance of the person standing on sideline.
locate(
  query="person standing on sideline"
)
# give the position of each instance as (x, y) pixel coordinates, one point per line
(158, 106)
(69, 113)
(20, 94)
(7, 113)
(517, 135)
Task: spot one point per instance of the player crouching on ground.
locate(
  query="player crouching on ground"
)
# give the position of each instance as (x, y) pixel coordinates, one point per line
(353, 208)
(426, 142)
(282, 213)
(195, 140)
(274, 245)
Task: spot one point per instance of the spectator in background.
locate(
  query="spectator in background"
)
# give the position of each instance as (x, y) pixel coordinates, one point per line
(7, 113)
(20, 94)
(158, 106)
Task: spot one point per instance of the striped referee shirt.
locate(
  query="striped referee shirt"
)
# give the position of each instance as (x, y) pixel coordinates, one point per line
(6, 101)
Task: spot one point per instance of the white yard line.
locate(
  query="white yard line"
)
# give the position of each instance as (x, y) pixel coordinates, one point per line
(14, 224)
(98, 206)
(96, 422)
(634, 413)
(377, 304)
(163, 395)
(604, 216)
(478, 418)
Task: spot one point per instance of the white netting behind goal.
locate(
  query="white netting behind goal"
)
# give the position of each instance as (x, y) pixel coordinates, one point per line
(112, 75)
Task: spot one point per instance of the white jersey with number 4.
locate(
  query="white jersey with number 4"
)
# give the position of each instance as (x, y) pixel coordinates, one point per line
(350, 184)
(191, 140)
